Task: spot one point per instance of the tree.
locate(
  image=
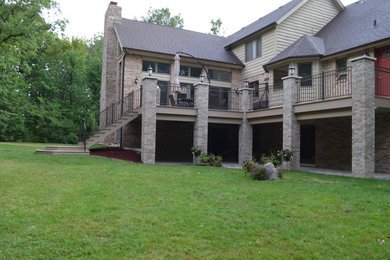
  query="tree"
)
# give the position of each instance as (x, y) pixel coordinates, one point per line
(216, 26)
(163, 16)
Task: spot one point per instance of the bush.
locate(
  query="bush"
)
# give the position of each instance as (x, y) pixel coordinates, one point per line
(258, 173)
(280, 174)
(272, 159)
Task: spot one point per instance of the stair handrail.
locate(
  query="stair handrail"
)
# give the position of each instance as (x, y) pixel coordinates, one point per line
(110, 115)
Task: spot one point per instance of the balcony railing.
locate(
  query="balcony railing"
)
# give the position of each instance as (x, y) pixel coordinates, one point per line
(176, 95)
(382, 82)
(326, 85)
(223, 99)
(268, 96)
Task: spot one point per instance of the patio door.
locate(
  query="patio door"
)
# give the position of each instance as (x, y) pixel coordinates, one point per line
(382, 73)
(163, 85)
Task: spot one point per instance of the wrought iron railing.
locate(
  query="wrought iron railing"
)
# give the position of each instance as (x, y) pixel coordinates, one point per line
(110, 115)
(179, 95)
(268, 96)
(326, 85)
(223, 99)
(382, 82)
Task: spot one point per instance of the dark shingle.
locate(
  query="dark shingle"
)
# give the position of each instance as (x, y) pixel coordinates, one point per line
(354, 27)
(167, 40)
(262, 23)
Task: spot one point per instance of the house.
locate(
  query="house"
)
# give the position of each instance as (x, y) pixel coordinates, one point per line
(311, 76)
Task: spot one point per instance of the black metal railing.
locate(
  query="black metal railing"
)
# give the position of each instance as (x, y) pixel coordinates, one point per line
(223, 99)
(326, 85)
(110, 115)
(179, 95)
(382, 82)
(268, 96)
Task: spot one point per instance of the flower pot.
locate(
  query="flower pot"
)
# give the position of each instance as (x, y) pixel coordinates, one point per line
(286, 165)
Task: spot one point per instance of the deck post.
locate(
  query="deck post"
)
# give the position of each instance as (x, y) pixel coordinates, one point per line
(363, 117)
(245, 134)
(291, 126)
(148, 123)
(202, 118)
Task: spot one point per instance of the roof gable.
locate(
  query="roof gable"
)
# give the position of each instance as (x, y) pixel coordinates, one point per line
(262, 23)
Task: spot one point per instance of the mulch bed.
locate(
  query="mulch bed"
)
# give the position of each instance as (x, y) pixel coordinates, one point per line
(117, 153)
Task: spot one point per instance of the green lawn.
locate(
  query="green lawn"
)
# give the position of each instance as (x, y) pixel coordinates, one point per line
(89, 207)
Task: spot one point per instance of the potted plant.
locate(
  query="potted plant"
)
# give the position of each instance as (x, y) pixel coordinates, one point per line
(204, 158)
(196, 150)
(286, 157)
(247, 166)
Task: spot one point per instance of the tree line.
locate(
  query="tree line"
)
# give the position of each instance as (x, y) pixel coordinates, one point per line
(49, 83)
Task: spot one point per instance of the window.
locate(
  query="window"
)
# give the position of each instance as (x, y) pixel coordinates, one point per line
(190, 71)
(341, 69)
(160, 67)
(255, 86)
(279, 73)
(220, 75)
(304, 71)
(195, 72)
(253, 49)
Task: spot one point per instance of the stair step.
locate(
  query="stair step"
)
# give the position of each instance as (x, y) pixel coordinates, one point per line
(62, 152)
(62, 147)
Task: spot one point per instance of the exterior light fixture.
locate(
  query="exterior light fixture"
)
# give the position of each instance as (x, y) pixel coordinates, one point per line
(246, 83)
(291, 70)
(150, 70)
(201, 76)
(136, 80)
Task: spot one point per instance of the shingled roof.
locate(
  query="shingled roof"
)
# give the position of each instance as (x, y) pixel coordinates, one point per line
(361, 23)
(262, 23)
(149, 37)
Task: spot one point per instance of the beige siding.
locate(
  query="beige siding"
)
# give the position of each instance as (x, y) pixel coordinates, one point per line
(308, 19)
(255, 67)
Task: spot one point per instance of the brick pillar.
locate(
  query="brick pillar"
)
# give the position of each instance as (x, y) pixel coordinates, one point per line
(245, 134)
(148, 123)
(291, 127)
(202, 118)
(363, 117)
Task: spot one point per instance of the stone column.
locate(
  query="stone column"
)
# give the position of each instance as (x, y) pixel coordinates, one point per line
(245, 134)
(148, 124)
(363, 117)
(291, 127)
(202, 118)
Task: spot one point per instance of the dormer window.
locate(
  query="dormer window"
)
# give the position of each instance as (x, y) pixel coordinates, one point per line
(253, 49)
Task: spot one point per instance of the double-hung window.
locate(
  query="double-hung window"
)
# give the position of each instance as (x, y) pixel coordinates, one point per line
(253, 49)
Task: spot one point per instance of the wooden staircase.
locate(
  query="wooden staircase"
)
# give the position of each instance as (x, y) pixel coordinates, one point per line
(108, 121)
(102, 134)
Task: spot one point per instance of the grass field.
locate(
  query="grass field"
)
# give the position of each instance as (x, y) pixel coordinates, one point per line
(86, 207)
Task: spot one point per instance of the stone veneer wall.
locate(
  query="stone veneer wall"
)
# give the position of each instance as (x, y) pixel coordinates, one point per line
(266, 138)
(133, 69)
(334, 143)
(174, 141)
(132, 134)
(382, 143)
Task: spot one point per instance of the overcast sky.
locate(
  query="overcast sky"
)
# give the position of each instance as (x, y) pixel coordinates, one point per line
(86, 16)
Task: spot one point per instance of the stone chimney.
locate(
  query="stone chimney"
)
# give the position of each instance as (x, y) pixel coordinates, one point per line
(109, 91)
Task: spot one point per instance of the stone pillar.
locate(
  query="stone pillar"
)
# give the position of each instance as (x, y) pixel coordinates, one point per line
(202, 118)
(291, 127)
(148, 124)
(245, 134)
(363, 117)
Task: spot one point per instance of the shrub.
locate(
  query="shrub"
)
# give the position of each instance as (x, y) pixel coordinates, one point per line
(280, 174)
(272, 159)
(258, 173)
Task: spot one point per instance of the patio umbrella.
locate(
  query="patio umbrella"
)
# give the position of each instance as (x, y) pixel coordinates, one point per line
(176, 70)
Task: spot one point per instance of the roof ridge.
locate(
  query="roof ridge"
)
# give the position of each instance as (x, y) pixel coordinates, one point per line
(174, 28)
